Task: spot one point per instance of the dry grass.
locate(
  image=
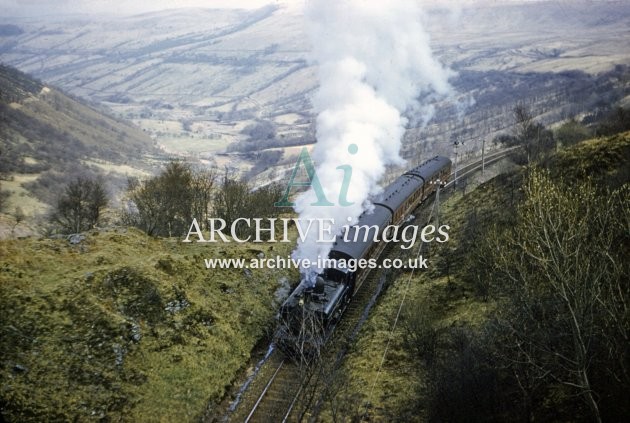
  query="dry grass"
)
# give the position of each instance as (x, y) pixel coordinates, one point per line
(71, 312)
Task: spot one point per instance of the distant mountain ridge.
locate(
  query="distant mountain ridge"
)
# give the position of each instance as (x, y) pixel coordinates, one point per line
(196, 79)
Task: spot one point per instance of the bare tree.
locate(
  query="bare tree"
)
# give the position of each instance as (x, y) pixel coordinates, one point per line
(230, 200)
(300, 335)
(524, 128)
(523, 121)
(532, 135)
(202, 186)
(565, 284)
(166, 204)
(79, 207)
(235, 199)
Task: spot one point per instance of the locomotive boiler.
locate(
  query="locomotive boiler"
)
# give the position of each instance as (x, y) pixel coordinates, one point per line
(307, 316)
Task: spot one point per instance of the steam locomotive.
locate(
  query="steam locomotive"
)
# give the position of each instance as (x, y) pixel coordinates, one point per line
(308, 313)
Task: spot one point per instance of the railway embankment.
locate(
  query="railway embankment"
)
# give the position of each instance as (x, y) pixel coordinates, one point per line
(477, 336)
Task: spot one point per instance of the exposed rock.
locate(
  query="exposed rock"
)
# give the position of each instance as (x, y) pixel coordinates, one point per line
(136, 332)
(18, 368)
(75, 239)
(176, 305)
(119, 352)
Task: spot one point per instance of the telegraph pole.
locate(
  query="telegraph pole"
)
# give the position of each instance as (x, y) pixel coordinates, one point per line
(439, 184)
(483, 156)
(456, 144)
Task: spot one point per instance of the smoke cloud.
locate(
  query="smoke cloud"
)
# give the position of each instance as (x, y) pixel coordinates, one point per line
(374, 60)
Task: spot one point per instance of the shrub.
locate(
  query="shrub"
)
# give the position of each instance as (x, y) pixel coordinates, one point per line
(79, 207)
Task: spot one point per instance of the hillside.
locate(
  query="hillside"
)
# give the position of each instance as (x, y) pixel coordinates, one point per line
(126, 326)
(451, 355)
(197, 78)
(46, 137)
(118, 325)
(42, 128)
(521, 316)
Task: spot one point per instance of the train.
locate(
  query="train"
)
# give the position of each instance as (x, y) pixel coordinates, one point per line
(307, 315)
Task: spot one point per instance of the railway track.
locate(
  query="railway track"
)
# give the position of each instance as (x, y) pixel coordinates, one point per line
(469, 168)
(278, 396)
(283, 391)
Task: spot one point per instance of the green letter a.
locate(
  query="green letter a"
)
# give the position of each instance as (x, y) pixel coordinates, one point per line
(313, 182)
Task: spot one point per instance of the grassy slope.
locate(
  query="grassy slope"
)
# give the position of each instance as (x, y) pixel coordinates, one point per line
(44, 132)
(69, 122)
(125, 326)
(394, 390)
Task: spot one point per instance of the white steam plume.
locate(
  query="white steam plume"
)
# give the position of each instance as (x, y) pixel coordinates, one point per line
(374, 61)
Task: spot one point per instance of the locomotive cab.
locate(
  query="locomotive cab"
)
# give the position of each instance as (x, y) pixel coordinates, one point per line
(341, 275)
